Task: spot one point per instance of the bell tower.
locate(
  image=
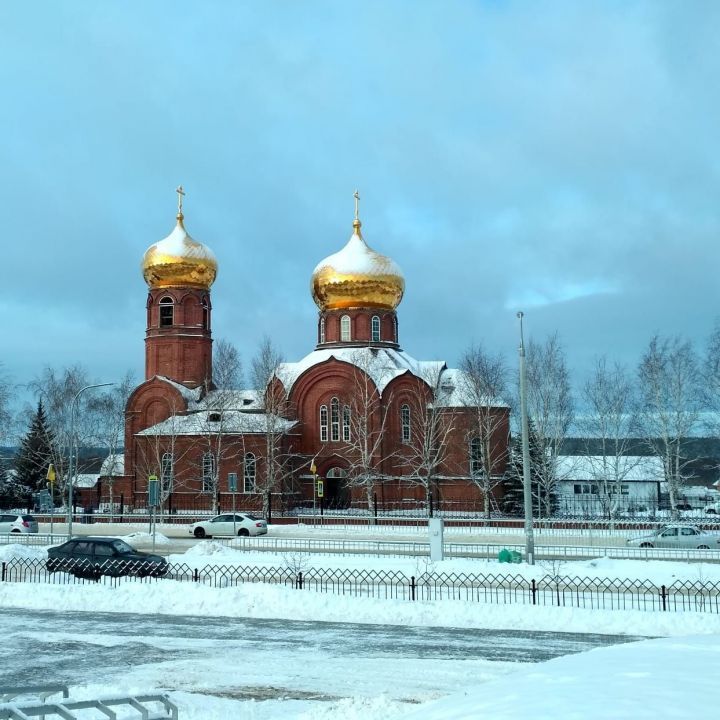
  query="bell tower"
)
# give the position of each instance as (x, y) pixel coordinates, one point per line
(178, 340)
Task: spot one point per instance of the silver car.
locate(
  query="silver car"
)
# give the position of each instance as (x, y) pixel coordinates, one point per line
(678, 536)
(243, 524)
(17, 523)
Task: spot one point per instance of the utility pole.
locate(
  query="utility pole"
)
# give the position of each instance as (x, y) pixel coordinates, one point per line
(527, 488)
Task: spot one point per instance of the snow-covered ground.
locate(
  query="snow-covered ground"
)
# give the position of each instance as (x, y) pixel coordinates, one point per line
(667, 678)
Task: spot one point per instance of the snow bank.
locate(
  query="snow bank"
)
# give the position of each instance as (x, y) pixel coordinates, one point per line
(643, 681)
(169, 597)
(15, 551)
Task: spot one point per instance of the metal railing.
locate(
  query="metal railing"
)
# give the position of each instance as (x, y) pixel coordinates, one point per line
(21, 703)
(553, 589)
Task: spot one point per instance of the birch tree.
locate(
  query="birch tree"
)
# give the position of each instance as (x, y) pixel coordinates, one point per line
(425, 441)
(550, 405)
(227, 368)
(670, 406)
(109, 407)
(484, 382)
(366, 419)
(711, 381)
(276, 461)
(609, 424)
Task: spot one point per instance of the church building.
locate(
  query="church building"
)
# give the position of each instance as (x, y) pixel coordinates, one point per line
(356, 423)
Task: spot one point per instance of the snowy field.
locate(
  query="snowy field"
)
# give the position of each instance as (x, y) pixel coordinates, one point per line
(673, 677)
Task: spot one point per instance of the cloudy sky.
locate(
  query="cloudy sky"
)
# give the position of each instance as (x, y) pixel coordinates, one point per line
(556, 157)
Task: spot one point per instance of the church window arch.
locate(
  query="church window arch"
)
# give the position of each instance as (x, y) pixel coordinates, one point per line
(167, 473)
(335, 419)
(167, 311)
(250, 473)
(208, 472)
(375, 329)
(476, 465)
(346, 423)
(405, 423)
(395, 333)
(323, 423)
(322, 330)
(345, 334)
(205, 313)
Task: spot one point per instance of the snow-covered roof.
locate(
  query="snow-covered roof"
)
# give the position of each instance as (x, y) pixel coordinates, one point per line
(455, 391)
(230, 400)
(189, 395)
(231, 422)
(358, 257)
(113, 465)
(382, 364)
(630, 468)
(86, 480)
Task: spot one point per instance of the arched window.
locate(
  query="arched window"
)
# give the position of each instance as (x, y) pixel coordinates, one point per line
(405, 421)
(323, 423)
(249, 473)
(346, 423)
(166, 311)
(335, 419)
(345, 335)
(208, 472)
(375, 329)
(322, 330)
(476, 465)
(167, 473)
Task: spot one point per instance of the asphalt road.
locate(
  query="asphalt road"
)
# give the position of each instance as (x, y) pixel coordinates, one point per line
(79, 648)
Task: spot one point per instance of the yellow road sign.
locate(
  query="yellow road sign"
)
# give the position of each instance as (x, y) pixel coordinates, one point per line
(320, 488)
(51, 473)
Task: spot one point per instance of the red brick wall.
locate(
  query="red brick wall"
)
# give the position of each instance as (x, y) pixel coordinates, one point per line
(183, 351)
(360, 326)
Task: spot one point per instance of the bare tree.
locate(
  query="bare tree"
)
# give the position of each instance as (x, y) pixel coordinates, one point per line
(227, 366)
(58, 389)
(366, 419)
(484, 382)
(670, 406)
(5, 401)
(426, 434)
(161, 449)
(109, 407)
(711, 381)
(550, 405)
(609, 423)
(277, 462)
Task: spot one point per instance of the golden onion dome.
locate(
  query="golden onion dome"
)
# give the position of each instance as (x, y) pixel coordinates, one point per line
(357, 277)
(178, 260)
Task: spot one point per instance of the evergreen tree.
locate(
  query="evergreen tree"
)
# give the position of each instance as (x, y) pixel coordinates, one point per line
(514, 499)
(35, 454)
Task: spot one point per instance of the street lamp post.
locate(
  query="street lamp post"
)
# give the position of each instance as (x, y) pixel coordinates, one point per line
(72, 472)
(527, 488)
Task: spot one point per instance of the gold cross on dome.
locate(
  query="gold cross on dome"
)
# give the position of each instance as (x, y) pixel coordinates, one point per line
(181, 193)
(356, 195)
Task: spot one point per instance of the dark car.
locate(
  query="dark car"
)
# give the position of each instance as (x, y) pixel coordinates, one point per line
(92, 557)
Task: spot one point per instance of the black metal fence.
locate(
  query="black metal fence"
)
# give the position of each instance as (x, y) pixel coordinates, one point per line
(551, 590)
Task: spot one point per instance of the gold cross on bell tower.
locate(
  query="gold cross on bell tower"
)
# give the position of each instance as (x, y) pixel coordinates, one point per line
(180, 193)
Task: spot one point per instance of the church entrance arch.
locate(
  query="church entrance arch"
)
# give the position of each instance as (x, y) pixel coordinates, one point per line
(337, 493)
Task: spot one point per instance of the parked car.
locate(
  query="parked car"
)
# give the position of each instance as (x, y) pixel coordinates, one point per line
(713, 509)
(244, 524)
(678, 536)
(93, 557)
(17, 523)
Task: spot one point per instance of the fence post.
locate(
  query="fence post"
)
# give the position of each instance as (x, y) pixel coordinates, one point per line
(300, 580)
(4, 571)
(196, 575)
(412, 586)
(533, 591)
(663, 597)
